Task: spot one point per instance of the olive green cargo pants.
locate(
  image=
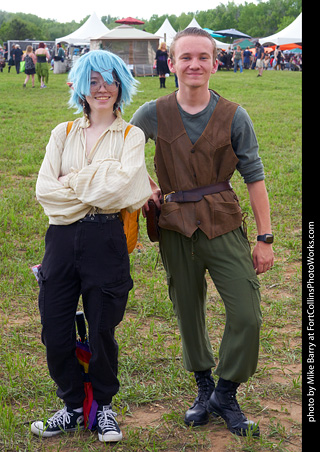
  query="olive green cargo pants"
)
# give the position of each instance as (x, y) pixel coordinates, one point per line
(229, 263)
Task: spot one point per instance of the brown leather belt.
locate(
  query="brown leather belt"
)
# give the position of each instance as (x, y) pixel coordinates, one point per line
(196, 194)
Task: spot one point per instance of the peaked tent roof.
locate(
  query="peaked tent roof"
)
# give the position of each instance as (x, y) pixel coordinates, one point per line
(167, 32)
(244, 44)
(92, 27)
(194, 23)
(125, 32)
(290, 34)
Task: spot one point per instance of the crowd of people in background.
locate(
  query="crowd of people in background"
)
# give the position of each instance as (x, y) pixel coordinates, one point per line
(247, 59)
(37, 61)
(233, 59)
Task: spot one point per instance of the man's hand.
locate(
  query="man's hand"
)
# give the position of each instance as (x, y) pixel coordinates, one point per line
(263, 253)
(263, 257)
(156, 197)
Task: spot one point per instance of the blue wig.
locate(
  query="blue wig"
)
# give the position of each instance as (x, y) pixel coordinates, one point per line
(111, 67)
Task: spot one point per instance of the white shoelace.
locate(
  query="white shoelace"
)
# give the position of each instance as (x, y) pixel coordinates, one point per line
(106, 419)
(61, 417)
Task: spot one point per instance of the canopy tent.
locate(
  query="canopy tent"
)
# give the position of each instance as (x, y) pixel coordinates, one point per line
(129, 21)
(292, 46)
(92, 27)
(244, 44)
(137, 48)
(222, 45)
(232, 33)
(167, 32)
(193, 23)
(297, 50)
(213, 33)
(289, 35)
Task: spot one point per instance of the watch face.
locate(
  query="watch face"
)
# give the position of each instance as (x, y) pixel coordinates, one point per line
(266, 238)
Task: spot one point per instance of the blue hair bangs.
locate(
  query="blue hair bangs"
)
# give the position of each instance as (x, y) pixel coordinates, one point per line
(110, 66)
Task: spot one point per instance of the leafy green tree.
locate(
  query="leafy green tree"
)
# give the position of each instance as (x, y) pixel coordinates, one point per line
(257, 20)
(19, 29)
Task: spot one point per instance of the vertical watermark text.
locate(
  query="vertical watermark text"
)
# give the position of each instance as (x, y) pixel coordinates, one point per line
(310, 336)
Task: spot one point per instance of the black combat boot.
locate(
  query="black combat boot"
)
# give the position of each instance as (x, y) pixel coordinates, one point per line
(198, 414)
(223, 403)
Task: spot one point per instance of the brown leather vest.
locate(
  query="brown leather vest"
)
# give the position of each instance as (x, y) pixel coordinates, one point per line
(181, 165)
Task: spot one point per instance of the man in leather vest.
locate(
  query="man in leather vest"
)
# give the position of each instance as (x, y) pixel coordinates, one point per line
(201, 138)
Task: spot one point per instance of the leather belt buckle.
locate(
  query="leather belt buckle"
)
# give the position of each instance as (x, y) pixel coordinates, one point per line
(166, 195)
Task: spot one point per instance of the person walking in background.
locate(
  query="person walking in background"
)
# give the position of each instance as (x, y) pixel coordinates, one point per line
(247, 58)
(259, 58)
(238, 60)
(11, 60)
(5, 52)
(30, 65)
(201, 139)
(85, 180)
(17, 56)
(161, 63)
(266, 62)
(2, 59)
(42, 68)
(278, 57)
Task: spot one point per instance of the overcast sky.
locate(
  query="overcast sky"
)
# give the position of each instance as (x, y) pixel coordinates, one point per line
(66, 10)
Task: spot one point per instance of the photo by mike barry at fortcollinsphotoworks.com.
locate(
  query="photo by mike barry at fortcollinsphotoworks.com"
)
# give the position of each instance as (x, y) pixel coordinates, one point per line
(310, 413)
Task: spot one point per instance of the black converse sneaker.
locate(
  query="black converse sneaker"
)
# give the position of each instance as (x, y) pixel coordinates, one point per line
(63, 421)
(108, 428)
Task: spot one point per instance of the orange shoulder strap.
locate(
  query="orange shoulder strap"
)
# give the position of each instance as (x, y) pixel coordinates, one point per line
(69, 126)
(127, 130)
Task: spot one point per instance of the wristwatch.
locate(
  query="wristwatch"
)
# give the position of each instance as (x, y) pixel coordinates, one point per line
(266, 238)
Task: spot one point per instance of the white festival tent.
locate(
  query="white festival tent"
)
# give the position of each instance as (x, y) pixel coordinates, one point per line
(167, 32)
(222, 45)
(91, 28)
(194, 23)
(289, 35)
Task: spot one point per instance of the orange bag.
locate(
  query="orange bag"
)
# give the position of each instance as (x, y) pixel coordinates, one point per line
(130, 220)
(131, 227)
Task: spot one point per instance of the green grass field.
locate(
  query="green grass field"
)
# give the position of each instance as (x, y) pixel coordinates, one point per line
(155, 389)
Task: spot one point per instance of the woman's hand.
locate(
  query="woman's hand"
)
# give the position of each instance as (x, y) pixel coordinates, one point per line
(62, 179)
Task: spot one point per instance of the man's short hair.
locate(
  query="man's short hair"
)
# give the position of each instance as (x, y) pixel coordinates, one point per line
(192, 31)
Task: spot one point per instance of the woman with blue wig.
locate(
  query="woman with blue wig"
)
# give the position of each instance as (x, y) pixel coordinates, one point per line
(89, 173)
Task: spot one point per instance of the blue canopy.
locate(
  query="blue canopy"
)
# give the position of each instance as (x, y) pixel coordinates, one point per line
(213, 33)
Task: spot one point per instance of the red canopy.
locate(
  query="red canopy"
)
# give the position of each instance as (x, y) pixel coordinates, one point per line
(282, 47)
(289, 46)
(129, 21)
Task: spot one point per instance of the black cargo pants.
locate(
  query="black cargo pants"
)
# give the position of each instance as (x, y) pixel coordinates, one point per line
(87, 258)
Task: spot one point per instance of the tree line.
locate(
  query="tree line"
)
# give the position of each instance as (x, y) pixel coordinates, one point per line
(256, 20)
